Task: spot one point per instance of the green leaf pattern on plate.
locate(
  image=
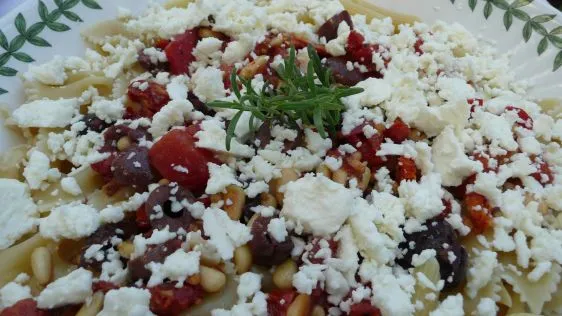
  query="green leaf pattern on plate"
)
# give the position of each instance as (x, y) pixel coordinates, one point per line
(534, 24)
(49, 19)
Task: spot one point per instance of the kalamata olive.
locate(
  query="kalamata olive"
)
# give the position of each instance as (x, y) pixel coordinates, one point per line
(341, 74)
(103, 235)
(198, 105)
(115, 132)
(267, 251)
(329, 29)
(169, 299)
(441, 237)
(297, 142)
(156, 253)
(132, 167)
(146, 62)
(247, 212)
(160, 208)
(264, 134)
(93, 123)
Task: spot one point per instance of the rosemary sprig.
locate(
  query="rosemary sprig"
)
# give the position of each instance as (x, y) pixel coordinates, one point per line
(309, 97)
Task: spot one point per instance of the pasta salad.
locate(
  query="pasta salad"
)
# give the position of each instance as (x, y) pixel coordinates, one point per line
(254, 157)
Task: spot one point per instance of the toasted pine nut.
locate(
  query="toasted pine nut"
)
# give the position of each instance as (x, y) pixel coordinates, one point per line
(340, 176)
(205, 32)
(268, 200)
(164, 182)
(209, 261)
(238, 198)
(283, 274)
(42, 265)
(242, 259)
(365, 179)
(323, 169)
(252, 220)
(380, 127)
(287, 175)
(318, 311)
(123, 143)
(278, 40)
(93, 307)
(212, 280)
(194, 279)
(300, 306)
(416, 135)
(543, 207)
(251, 69)
(125, 249)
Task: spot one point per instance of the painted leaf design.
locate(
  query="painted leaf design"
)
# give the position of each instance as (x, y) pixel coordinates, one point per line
(3, 41)
(17, 43)
(502, 4)
(7, 71)
(92, 4)
(4, 58)
(555, 40)
(488, 8)
(59, 3)
(72, 16)
(38, 41)
(539, 28)
(53, 16)
(43, 11)
(543, 18)
(20, 24)
(521, 15)
(557, 30)
(69, 4)
(527, 31)
(507, 19)
(543, 45)
(23, 57)
(2, 91)
(558, 61)
(35, 29)
(472, 4)
(58, 27)
(520, 3)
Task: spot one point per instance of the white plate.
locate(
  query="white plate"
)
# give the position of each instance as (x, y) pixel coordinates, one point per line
(535, 19)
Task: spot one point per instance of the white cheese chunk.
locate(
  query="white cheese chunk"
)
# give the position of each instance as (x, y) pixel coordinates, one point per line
(46, 113)
(69, 185)
(73, 288)
(449, 159)
(317, 203)
(14, 292)
(225, 234)
(178, 87)
(496, 128)
(50, 73)
(208, 84)
(176, 267)
(128, 301)
(423, 199)
(108, 110)
(18, 213)
(277, 229)
(37, 169)
(72, 221)
(172, 114)
(481, 271)
(213, 136)
(219, 178)
(451, 306)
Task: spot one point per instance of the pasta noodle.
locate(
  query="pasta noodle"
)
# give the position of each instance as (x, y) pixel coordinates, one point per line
(16, 259)
(372, 11)
(74, 87)
(427, 296)
(11, 162)
(99, 33)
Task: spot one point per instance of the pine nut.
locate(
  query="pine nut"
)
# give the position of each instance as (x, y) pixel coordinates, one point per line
(416, 135)
(236, 195)
(125, 249)
(287, 175)
(323, 169)
(300, 306)
(365, 179)
(242, 259)
(318, 311)
(42, 265)
(207, 32)
(212, 280)
(283, 274)
(164, 182)
(123, 143)
(194, 279)
(268, 200)
(251, 69)
(252, 220)
(340, 176)
(93, 307)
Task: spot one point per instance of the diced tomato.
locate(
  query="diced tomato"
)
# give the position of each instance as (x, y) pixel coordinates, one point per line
(478, 212)
(355, 41)
(474, 103)
(226, 71)
(460, 191)
(104, 167)
(398, 131)
(359, 51)
(150, 100)
(180, 52)
(364, 308)
(167, 299)
(544, 174)
(406, 170)
(104, 286)
(448, 209)
(332, 244)
(142, 219)
(278, 301)
(27, 307)
(177, 148)
(418, 45)
(485, 162)
(368, 148)
(525, 120)
(161, 43)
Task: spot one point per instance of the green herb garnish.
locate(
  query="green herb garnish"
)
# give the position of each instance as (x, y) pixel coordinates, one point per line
(310, 97)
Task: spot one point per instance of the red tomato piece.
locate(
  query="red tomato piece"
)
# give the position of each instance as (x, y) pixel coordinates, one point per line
(104, 167)
(141, 218)
(364, 308)
(418, 45)
(398, 131)
(460, 191)
(27, 307)
(406, 170)
(448, 209)
(368, 148)
(544, 174)
(167, 299)
(180, 52)
(332, 244)
(151, 99)
(474, 103)
(177, 148)
(104, 286)
(278, 301)
(478, 212)
(525, 120)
